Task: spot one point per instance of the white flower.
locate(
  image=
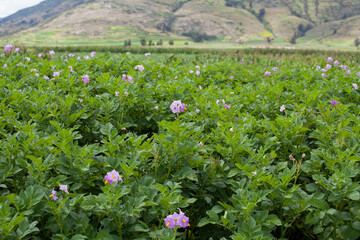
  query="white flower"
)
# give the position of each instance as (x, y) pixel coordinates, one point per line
(282, 108)
(156, 107)
(231, 130)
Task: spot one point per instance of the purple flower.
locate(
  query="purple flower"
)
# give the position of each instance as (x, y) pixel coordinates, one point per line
(71, 55)
(318, 67)
(112, 176)
(358, 74)
(251, 62)
(126, 93)
(328, 66)
(200, 144)
(85, 79)
(64, 188)
(53, 195)
(169, 221)
(17, 50)
(156, 107)
(183, 108)
(117, 94)
(176, 106)
(330, 59)
(197, 110)
(71, 69)
(336, 63)
(333, 102)
(324, 75)
(78, 58)
(183, 220)
(92, 54)
(8, 48)
(147, 54)
(36, 75)
(200, 87)
(127, 53)
(227, 106)
(275, 69)
(197, 72)
(52, 52)
(86, 58)
(267, 73)
(324, 70)
(191, 71)
(5, 65)
(27, 59)
(56, 74)
(231, 77)
(33, 70)
(46, 78)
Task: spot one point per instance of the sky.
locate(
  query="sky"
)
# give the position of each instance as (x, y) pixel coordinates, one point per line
(8, 7)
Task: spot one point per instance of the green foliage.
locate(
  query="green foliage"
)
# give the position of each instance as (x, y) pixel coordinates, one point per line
(246, 171)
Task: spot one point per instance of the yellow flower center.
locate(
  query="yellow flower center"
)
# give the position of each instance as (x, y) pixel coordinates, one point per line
(188, 224)
(185, 108)
(175, 219)
(183, 221)
(106, 181)
(113, 176)
(168, 224)
(51, 195)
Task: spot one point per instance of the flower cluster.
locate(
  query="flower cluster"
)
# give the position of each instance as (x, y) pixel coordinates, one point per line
(127, 78)
(8, 48)
(177, 106)
(177, 219)
(139, 67)
(267, 73)
(63, 188)
(112, 176)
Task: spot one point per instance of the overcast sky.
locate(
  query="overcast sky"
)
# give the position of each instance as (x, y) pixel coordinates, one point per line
(8, 7)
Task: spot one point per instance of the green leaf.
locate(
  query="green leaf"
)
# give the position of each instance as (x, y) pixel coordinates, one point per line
(354, 195)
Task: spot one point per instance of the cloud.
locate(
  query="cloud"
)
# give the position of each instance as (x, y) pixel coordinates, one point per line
(8, 7)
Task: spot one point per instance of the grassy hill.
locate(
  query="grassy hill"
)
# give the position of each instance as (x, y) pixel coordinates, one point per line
(57, 22)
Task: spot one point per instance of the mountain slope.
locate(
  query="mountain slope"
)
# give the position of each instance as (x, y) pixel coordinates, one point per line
(106, 21)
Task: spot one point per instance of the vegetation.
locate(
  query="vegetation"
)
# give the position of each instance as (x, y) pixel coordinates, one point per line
(258, 148)
(57, 22)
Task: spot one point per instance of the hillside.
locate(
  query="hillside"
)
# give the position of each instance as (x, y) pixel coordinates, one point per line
(111, 21)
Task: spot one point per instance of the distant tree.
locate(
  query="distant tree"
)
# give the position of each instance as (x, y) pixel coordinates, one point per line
(150, 43)
(186, 43)
(160, 42)
(293, 39)
(171, 42)
(316, 7)
(126, 43)
(357, 42)
(143, 42)
(129, 42)
(261, 14)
